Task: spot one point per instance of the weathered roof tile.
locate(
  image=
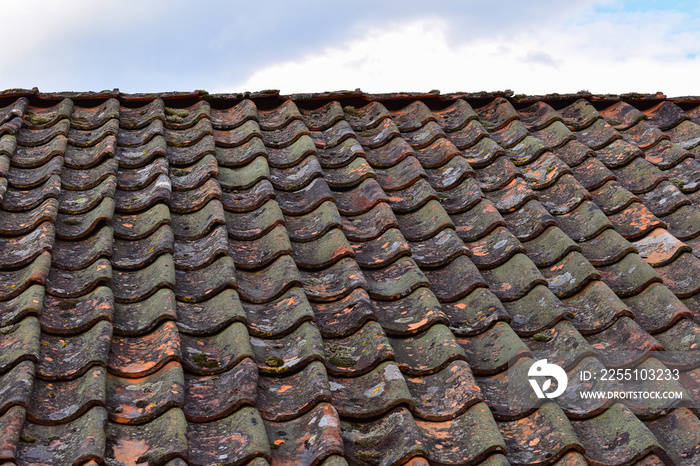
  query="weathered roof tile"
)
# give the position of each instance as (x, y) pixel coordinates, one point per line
(211, 397)
(293, 280)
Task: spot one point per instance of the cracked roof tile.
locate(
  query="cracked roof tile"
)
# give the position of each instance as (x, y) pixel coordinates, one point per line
(138, 318)
(504, 348)
(242, 201)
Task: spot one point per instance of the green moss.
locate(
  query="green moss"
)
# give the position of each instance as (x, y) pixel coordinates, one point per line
(38, 119)
(113, 462)
(71, 221)
(274, 361)
(340, 356)
(274, 446)
(352, 111)
(66, 304)
(181, 112)
(202, 361)
(506, 93)
(402, 119)
(174, 119)
(80, 119)
(153, 457)
(27, 438)
(342, 361)
(9, 329)
(344, 93)
(141, 404)
(366, 134)
(434, 91)
(270, 91)
(678, 182)
(179, 171)
(368, 455)
(542, 337)
(202, 92)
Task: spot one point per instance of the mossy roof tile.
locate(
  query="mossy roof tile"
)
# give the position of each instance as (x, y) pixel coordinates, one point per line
(183, 275)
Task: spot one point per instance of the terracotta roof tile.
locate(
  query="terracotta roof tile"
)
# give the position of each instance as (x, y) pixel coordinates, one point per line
(345, 316)
(80, 440)
(290, 442)
(550, 247)
(545, 435)
(615, 436)
(245, 439)
(166, 439)
(140, 400)
(68, 316)
(284, 398)
(622, 115)
(211, 397)
(341, 280)
(549, 311)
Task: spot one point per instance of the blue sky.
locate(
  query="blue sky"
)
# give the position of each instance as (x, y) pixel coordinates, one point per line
(530, 47)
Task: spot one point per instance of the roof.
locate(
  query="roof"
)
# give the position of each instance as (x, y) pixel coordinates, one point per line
(342, 277)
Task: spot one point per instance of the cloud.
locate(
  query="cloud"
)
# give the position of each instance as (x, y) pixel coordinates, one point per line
(613, 51)
(540, 58)
(415, 56)
(530, 47)
(179, 45)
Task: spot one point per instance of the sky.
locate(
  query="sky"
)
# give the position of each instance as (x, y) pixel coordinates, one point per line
(529, 47)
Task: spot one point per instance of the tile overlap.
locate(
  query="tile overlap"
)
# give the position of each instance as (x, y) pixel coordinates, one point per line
(342, 278)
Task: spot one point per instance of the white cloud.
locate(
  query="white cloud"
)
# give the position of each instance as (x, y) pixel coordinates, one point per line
(614, 52)
(530, 47)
